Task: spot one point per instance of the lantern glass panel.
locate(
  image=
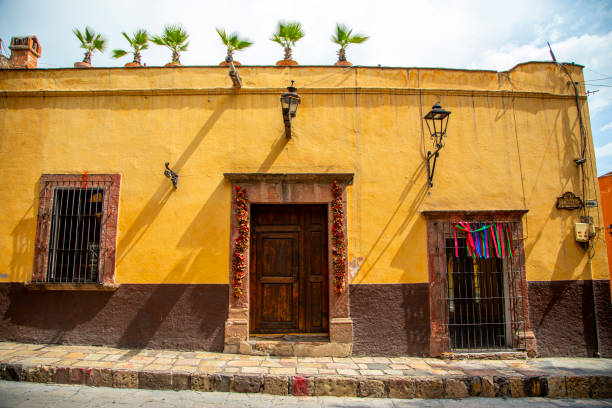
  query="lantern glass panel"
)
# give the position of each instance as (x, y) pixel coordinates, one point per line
(285, 100)
(294, 105)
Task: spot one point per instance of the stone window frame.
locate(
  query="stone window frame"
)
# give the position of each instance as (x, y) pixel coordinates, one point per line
(108, 237)
(293, 188)
(437, 326)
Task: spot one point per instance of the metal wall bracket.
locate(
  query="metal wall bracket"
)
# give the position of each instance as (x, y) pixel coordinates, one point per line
(287, 121)
(171, 175)
(431, 168)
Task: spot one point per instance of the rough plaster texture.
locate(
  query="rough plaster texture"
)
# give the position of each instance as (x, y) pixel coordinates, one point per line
(390, 319)
(157, 316)
(563, 319)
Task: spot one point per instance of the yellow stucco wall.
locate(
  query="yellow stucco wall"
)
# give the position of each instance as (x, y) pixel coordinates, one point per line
(511, 143)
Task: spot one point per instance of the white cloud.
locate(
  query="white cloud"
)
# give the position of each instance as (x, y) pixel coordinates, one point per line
(593, 51)
(606, 127)
(603, 151)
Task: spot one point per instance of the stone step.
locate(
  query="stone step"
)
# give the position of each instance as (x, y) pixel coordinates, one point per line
(294, 346)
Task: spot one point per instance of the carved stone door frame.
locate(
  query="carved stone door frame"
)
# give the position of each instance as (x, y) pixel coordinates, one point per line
(307, 188)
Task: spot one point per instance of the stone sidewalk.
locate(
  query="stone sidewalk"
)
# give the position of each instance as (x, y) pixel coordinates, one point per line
(379, 377)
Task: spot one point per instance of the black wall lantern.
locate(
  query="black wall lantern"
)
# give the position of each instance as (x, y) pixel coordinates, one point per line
(289, 101)
(437, 121)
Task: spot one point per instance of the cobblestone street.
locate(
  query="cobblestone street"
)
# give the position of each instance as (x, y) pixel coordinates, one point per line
(29, 395)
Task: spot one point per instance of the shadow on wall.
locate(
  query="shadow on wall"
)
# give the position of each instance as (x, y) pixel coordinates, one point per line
(275, 150)
(561, 310)
(48, 316)
(157, 201)
(176, 315)
(561, 307)
(145, 219)
(211, 221)
(24, 237)
(24, 240)
(152, 315)
(400, 260)
(200, 322)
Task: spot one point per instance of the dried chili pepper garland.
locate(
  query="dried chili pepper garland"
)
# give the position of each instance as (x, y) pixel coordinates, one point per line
(242, 241)
(338, 241)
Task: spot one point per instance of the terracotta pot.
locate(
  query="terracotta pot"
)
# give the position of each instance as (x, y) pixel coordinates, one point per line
(174, 64)
(132, 64)
(82, 64)
(286, 63)
(226, 64)
(343, 64)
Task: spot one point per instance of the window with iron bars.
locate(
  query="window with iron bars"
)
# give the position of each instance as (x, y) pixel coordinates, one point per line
(77, 229)
(478, 290)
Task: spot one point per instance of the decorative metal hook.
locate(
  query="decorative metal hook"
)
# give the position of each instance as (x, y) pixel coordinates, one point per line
(171, 175)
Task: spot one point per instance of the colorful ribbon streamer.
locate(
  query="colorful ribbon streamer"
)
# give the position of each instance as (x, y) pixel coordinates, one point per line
(485, 241)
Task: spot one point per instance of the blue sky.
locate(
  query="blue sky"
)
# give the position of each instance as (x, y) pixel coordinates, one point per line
(453, 34)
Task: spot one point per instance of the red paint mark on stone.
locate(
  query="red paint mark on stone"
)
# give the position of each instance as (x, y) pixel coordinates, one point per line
(299, 387)
(62, 375)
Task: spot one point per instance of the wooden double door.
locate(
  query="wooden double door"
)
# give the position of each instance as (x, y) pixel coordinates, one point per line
(289, 270)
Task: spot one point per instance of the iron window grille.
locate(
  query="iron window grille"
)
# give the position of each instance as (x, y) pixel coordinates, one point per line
(77, 229)
(481, 303)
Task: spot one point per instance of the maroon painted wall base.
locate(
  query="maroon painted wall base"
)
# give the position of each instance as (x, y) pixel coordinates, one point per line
(390, 319)
(562, 318)
(186, 317)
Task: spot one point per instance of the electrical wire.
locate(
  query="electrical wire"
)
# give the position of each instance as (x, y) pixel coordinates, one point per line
(595, 80)
(598, 73)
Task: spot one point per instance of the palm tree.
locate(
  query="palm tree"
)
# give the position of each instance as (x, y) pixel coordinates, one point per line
(233, 42)
(175, 38)
(287, 34)
(138, 41)
(344, 37)
(90, 42)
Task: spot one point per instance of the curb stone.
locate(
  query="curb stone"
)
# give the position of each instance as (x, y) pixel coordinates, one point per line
(457, 387)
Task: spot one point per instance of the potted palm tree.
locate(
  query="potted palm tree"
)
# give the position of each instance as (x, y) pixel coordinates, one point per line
(175, 38)
(91, 42)
(233, 42)
(287, 34)
(344, 37)
(138, 41)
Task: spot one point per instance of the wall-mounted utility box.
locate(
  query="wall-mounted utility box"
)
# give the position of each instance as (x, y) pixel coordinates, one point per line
(582, 232)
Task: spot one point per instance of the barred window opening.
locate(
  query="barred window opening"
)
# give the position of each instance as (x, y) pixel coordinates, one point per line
(74, 247)
(77, 228)
(480, 294)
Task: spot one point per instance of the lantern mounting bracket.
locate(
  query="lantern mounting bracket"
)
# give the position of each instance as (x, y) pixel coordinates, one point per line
(432, 168)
